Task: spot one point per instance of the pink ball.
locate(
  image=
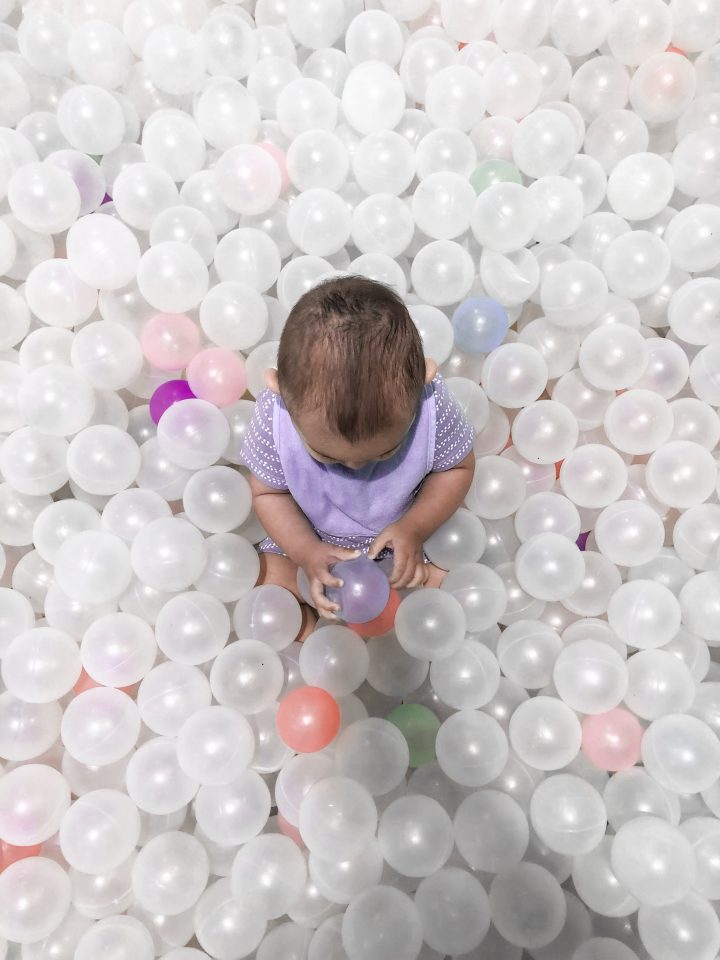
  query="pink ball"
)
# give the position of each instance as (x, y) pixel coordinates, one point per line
(170, 340)
(612, 740)
(217, 375)
(278, 156)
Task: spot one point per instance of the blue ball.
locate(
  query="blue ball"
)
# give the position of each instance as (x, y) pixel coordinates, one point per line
(480, 325)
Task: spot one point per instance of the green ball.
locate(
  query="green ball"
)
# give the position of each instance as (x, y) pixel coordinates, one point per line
(494, 171)
(419, 726)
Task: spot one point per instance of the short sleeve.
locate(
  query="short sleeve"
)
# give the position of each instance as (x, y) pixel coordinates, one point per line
(453, 432)
(259, 453)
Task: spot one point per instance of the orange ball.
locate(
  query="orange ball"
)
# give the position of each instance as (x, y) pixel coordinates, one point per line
(11, 854)
(308, 719)
(383, 622)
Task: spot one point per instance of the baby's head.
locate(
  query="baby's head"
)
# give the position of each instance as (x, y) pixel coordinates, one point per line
(351, 371)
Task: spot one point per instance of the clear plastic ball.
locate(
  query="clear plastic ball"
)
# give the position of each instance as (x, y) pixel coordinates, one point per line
(93, 566)
(247, 676)
(270, 870)
(527, 905)
(430, 624)
(593, 476)
(504, 217)
(335, 659)
(170, 873)
(590, 676)
(100, 726)
(374, 753)
(169, 554)
(568, 814)
(654, 860)
(480, 592)
(658, 685)
(336, 818)
(35, 895)
(33, 800)
(549, 567)
(472, 748)
(688, 928)
(99, 831)
(681, 753)
(545, 733)
(41, 665)
(193, 434)
(415, 835)
(382, 923)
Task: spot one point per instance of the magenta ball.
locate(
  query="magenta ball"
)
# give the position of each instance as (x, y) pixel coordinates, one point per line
(365, 591)
(168, 393)
(217, 375)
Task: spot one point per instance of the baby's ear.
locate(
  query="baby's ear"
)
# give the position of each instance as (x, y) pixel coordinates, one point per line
(271, 379)
(430, 370)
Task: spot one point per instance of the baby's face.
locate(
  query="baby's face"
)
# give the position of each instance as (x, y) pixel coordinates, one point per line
(327, 446)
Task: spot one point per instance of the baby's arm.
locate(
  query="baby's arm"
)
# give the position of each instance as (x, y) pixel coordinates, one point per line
(288, 526)
(440, 496)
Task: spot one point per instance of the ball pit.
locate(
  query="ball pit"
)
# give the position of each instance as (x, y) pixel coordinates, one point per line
(520, 765)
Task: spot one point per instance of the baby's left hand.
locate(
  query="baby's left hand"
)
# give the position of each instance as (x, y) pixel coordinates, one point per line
(409, 568)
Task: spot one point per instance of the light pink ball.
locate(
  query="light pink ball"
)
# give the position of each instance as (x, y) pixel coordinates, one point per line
(170, 340)
(278, 156)
(611, 741)
(217, 375)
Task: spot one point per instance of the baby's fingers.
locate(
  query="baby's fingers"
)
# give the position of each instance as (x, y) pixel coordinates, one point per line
(323, 606)
(402, 570)
(419, 576)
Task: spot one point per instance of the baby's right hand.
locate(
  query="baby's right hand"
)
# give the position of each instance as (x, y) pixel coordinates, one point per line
(316, 563)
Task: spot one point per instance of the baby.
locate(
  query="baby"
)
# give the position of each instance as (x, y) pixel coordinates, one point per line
(357, 446)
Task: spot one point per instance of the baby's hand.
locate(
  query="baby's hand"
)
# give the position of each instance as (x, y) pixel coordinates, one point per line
(409, 568)
(316, 563)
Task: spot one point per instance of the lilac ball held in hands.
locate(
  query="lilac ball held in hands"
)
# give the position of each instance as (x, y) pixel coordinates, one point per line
(166, 395)
(365, 591)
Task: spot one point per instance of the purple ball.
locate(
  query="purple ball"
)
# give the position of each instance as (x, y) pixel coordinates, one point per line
(168, 393)
(365, 591)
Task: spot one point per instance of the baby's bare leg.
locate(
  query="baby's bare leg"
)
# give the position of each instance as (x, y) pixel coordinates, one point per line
(282, 571)
(435, 575)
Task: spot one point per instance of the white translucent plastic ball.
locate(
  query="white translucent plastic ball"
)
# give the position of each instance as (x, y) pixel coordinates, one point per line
(590, 676)
(472, 748)
(33, 800)
(382, 923)
(644, 614)
(217, 499)
(103, 460)
(99, 831)
(373, 97)
(247, 675)
(654, 860)
(93, 566)
(43, 198)
(593, 476)
(335, 659)
(430, 624)
(170, 873)
(337, 817)
(100, 726)
(41, 665)
(193, 434)
(168, 554)
(36, 895)
(504, 217)
(91, 119)
(640, 186)
(568, 814)
(215, 745)
(527, 905)
(271, 871)
(629, 533)
(172, 276)
(545, 733)
(102, 251)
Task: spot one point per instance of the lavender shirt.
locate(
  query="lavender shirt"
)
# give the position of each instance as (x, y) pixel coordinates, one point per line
(350, 507)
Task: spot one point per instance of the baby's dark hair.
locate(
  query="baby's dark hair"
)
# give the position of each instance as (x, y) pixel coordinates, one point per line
(351, 350)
